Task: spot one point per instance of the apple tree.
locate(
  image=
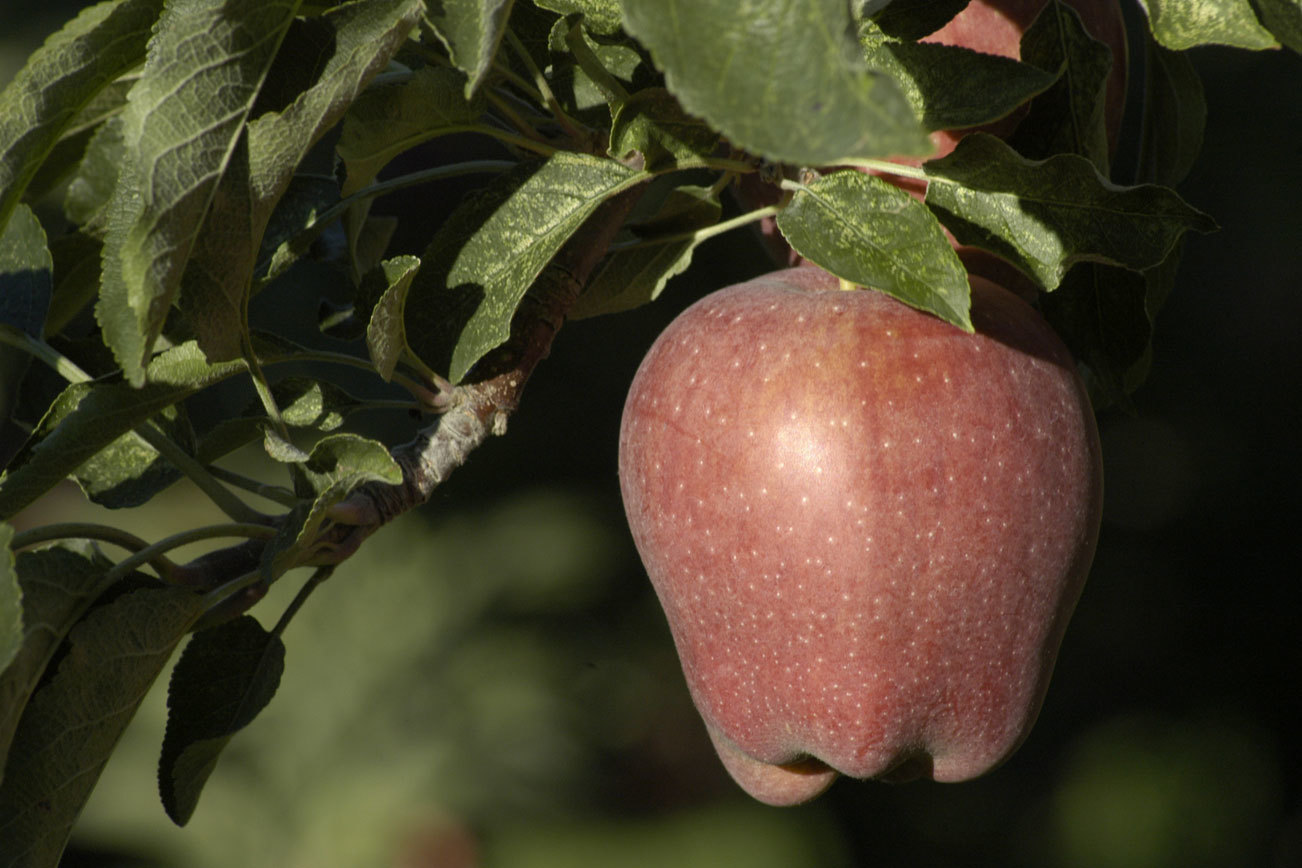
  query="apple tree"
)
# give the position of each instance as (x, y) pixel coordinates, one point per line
(170, 169)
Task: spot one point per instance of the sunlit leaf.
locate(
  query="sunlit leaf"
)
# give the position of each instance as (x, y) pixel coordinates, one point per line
(1283, 18)
(62, 77)
(1181, 24)
(128, 471)
(207, 61)
(874, 234)
(73, 722)
(599, 16)
(25, 273)
(386, 334)
(1044, 216)
(224, 677)
(783, 79)
(87, 417)
(492, 247)
(634, 277)
(471, 30)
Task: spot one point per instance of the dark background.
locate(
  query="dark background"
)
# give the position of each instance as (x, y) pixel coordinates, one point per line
(1169, 736)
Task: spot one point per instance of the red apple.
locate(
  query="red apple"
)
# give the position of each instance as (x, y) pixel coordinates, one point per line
(867, 528)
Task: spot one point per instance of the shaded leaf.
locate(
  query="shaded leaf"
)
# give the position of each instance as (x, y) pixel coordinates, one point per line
(1068, 118)
(781, 78)
(874, 234)
(87, 417)
(1045, 216)
(951, 87)
(652, 123)
(634, 277)
(224, 677)
(1101, 312)
(91, 188)
(59, 79)
(323, 65)
(1181, 24)
(386, 334)
(1176, 116)
(491, 248)
(207, 60)
(72, 723)
(11, 616)
(25, 274)
(912, 19)
(471, 31)
(76, 278)
(391, 118)
(58, 584)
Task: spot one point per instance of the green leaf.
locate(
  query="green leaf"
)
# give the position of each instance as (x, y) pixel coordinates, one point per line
(304, 404)
(60, 78)
(1181, 24)
(207, 61)
(87, 417)
(874, 234)
(73, 722)
(1283, 18)
(783, 79)
(11, 617)
(225, 676)
(1044, 216)
(91, 188)
(571, 83)
(951, 87)
(491, 248)
(58, 584)
(391, 118)
(652, 123)
(1103, 317)
(76, 278)
(348, 460)
(1068, 118)
(471, 31)
(337, 465)
(25, 274)
(599, 16)
(128, 472)
(357, 40)
(634, 277)
(25, 291)
(913, 19)
(386, 335)
(1175, 119)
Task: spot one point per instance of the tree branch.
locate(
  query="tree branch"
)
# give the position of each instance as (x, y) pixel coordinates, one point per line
(478, 407)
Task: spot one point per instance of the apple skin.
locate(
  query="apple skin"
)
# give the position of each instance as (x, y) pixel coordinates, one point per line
(867, 528)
